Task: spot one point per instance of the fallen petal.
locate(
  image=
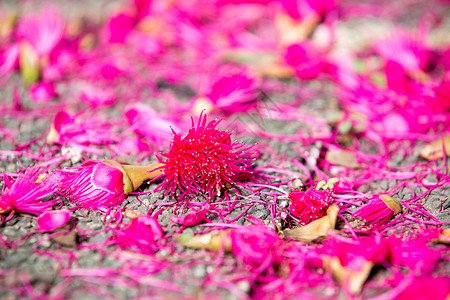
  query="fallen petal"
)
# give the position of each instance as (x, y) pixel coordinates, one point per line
(50, 220)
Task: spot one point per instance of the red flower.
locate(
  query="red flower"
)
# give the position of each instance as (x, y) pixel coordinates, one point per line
(203, 161)
(311, 204)
(232, 92)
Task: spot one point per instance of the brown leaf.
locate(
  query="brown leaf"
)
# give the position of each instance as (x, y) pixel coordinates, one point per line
(351, 280)
(342, 158)
(434, 150)
(315, 229)
(69, 239)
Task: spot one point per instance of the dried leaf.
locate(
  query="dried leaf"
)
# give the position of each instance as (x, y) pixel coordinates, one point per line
(209, 241)
(350, 280)
(69, 239)
(315, 229)
(444, 237)
(434, 150)
(392, 203)
(342, 158)
(131, 214)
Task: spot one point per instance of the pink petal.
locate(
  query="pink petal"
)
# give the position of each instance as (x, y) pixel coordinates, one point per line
(395, 123)
(42, 92)
(61, 119)
(43, 31)
(131, 146)
(119, 27)
(96, 96)
(50, 220)
(8, 60)
(191, 219)
(107, 178)
(152, 222)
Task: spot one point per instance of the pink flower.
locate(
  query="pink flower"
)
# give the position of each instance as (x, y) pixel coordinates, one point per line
(231, 93)
(50, 220)
(94, 184)
(25, 194)
(405, 49)
(311, 204)
(146, 122)
(132, 146)
(378, 211)
(100, 185)
(68, 130)
(256, 246)
(440, 100)
(203, 161)
(38, 35)
(306, 60)
(43, 92)
(96, 96)
(42, 31)
(118, 27)
(422, 287)
(143, 235)
(299, 9)
(9, 60)
(415, 254)
(354, 253)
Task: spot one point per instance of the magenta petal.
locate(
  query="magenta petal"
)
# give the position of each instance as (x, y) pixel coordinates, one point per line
(395, 123)
(42, 92)
(190, 219)
(50, 220)
(132, 146)
(107, 178)
(119, 27)
(61, 119)
(152, 222)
